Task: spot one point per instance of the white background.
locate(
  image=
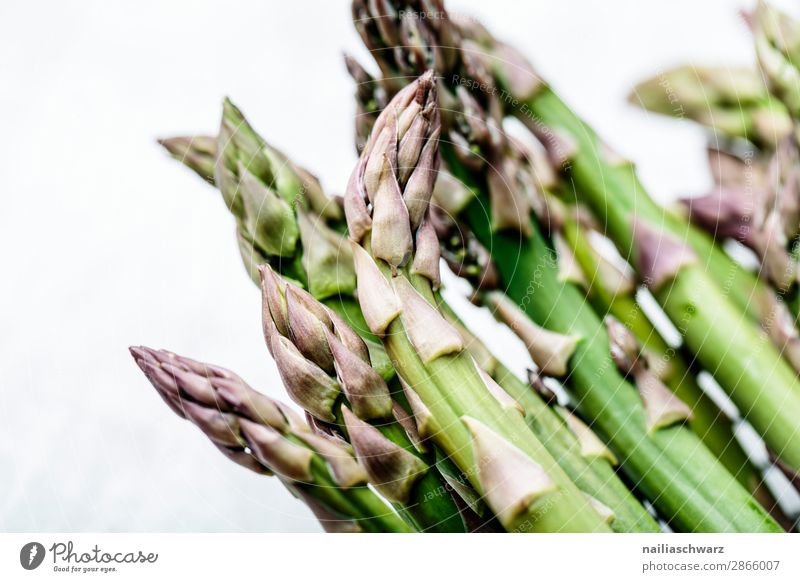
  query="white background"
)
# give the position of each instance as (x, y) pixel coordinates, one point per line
(486, 557)
(106, 242)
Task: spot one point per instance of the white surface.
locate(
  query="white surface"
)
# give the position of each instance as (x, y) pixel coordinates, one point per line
(210, 557)
(106, 242)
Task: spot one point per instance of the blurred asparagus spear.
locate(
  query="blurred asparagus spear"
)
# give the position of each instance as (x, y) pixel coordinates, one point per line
(730, 101)
(777, 42)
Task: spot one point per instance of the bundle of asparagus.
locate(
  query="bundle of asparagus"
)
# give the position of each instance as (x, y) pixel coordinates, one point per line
(588, 462)
(401, 396)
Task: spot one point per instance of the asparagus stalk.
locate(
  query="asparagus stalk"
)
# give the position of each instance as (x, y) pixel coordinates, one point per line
(576, 448)
(468, 258)
(326, 369)
(708, 422)
(664, 462)
(574, 445)
(611, 291)
(275, 203)
(765, 220)
(731, 101)
(396, 260)
(267, 437)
